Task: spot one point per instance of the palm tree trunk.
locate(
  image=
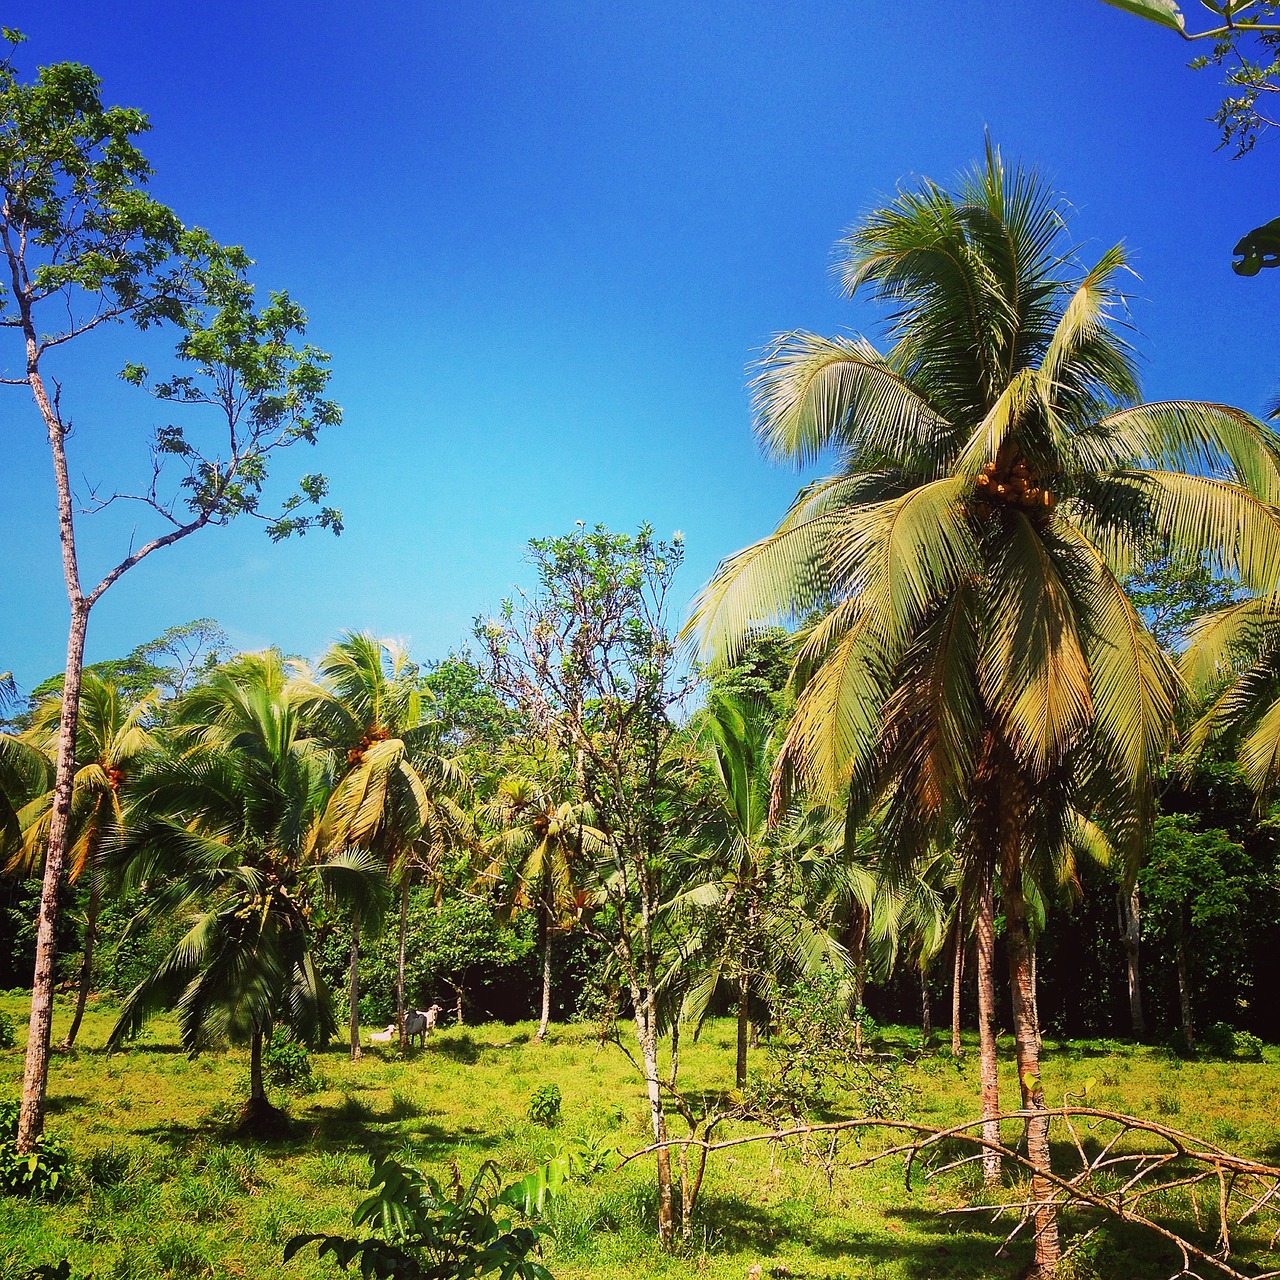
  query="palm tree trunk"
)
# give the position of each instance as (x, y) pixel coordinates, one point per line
(988, 1067)
(35, 1075)
(257, 1092)
(404, 934)
(926, 1014)
(957, 989)
(353, 989)
(86, 964)
(858, 926)
(740, 1068)
(544, 930)
(1048, 1250)
(1184, 994)
(1130, 936)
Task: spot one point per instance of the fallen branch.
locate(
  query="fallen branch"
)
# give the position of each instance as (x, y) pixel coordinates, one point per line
(1115, 1182)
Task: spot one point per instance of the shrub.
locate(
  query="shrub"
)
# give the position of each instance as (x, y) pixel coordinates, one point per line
(1248, 1046)
(8, 1035)
(544, 1105)
(287, 1064)
(1219, 1040)
(1222, 1040)
(425, 1229)
(42, 1173)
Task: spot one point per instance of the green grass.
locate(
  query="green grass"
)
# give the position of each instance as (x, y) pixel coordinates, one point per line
(160, 1188)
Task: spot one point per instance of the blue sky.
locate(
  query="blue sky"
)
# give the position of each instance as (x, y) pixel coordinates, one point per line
(542, 241)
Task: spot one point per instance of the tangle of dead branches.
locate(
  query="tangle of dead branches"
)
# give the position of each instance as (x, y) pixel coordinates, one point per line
(1112, 1168)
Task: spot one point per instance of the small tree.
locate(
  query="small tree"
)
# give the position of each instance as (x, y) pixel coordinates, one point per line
(83, 245)
(589, 658)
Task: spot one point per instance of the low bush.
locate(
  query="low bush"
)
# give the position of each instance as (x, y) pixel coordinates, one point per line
(287, 1065)
(8, 1034)
(544, 1105)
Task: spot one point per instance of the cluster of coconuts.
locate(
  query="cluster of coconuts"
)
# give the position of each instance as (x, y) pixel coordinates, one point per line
(356, 754)
(1017, 486)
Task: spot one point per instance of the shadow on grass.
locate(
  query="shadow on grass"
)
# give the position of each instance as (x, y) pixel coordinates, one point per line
(459, 1048)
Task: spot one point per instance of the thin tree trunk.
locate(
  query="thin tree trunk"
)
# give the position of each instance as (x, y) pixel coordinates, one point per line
(544, 928)
(926, 1014)
(1048, 1250)
(35, 1076)
(257, 1092)
(1131, 936)
(647, 1033)
(740, 1068)
(404, 934)
(957, 989)
(858, 955)
(988, 1067)
(86, 965)
(353, 989)
(1184, 995)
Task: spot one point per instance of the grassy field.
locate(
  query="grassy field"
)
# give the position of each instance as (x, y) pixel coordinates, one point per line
(160, 1188)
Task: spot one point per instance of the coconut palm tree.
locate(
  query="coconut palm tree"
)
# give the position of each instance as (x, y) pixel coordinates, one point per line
(1232, 661)
(113, 733)
(395, 795)
(224, 825)
(977, 665)
(542, 858)
(744, 933)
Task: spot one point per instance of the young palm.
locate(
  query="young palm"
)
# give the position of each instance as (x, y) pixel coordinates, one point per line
(113, 733)
(395, 795)
(745, 933)
(226, 825)
(542, 857)
(996, 477)
(1232, 661)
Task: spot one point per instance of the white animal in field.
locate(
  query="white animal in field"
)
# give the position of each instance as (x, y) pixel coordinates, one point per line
(383, 1037)
(420, 1023)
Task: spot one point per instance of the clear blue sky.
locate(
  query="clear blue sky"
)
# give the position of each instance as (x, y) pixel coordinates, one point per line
(542, 241)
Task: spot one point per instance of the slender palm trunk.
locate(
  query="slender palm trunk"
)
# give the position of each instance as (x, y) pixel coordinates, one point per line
(926, 1013)
(1131, 936)
(988, 1067)
(544, 931)
(740, 1068)
(1184, 994)
(858, 927)
(35, 1076)
(257, 1091)
(404, 935)
(957, 989)
(86, 964)
(1048, 1249)
(353, 989)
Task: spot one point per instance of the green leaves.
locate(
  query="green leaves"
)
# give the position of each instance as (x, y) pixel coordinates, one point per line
(1164, 12)
(1259, 248)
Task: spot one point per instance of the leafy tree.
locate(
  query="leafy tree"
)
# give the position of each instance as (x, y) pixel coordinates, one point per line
(589, 660)
(113, 734)
(978, 672)
(168, 664)
(473, 717)
(84, 246)
(226, 822)
(1198, 887)
(541, 859)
